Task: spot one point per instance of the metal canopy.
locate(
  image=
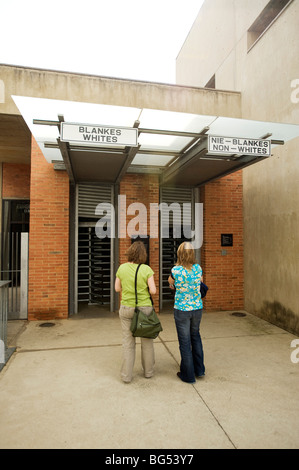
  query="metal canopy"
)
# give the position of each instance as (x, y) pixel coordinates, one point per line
(171, 144)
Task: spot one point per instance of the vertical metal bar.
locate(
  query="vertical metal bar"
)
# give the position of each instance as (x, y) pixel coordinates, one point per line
(17, 288)
(76, 278)
(196, 200)
(4, 310)
(2, 313)
(89, 265)
(3, 321)
(24, 277)
(12, 272)
(115, 245)
(160, 254)
(113, 219)
(5, 352)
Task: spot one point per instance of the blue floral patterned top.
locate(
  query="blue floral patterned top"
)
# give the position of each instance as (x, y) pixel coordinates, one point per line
(187, 284)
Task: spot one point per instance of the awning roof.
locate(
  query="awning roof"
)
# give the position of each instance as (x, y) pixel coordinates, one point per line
(171, 144)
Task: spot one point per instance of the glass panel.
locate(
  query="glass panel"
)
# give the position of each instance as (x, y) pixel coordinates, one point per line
(90, 113)
(170, 143)
(20, 211)
(152, 160)
(87, 113)
(168, 120)
(46, 109)
(231, 127)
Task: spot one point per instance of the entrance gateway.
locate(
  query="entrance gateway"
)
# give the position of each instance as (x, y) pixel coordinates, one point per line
(183, 151)
(95, 256)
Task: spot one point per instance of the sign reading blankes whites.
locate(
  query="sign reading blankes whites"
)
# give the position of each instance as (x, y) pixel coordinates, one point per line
(99, 135)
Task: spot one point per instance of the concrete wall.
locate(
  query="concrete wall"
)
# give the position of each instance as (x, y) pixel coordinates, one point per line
(271, 189)
(212, 43)
(93, 89)
(263, 74)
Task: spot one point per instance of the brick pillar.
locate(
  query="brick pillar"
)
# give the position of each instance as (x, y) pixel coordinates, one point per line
(143, 189)
(223, 213)
(48, 240)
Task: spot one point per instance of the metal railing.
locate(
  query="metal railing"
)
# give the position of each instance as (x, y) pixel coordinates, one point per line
(5, 352)
(12, 272)
(16, 271)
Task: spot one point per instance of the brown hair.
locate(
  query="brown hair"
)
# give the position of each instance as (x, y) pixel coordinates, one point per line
(137, 253)
(186, 255)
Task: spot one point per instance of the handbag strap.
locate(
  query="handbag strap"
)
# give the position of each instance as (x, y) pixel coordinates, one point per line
(136, 287)
(136, 302)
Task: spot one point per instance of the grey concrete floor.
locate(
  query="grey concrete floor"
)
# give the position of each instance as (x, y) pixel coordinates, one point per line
(62, 388)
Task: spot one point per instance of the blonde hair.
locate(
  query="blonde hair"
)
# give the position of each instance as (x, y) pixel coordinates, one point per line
(137, 253)
(186, 255)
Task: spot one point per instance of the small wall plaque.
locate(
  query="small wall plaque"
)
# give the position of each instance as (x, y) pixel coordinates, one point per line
(226, 239)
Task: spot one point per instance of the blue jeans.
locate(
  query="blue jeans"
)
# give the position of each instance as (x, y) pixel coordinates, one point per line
(192, 357)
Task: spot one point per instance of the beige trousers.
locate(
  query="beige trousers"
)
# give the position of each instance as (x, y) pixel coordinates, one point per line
(128, 345)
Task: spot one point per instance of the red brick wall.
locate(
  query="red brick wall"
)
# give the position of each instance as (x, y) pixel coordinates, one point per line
(15, 181)
(48, 240)
(223, 213)
(144, 189)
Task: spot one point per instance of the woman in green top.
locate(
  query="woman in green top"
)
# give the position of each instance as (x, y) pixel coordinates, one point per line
(125, 283)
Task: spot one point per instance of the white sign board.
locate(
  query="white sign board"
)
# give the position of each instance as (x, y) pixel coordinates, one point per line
(99, 135)
(236, 145)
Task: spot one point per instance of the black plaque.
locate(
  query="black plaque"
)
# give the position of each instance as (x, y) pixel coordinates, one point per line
(226, 239)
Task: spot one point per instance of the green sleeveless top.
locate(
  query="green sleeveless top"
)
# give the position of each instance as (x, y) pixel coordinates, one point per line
(126, 274)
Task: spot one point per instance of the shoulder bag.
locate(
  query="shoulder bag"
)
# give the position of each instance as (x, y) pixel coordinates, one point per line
(203, 290)
(145, 326)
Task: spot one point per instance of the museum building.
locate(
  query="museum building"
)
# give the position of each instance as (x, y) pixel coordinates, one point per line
(90, 163)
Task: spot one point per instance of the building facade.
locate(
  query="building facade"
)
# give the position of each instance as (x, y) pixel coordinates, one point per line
(51, 188)
(58, 226)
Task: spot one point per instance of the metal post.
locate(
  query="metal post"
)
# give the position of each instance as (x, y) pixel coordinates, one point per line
(5, 352)
(24, 276)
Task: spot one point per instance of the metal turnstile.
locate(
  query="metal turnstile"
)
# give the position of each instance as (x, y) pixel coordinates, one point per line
(94, 272)
(169, 244)
(94, 254)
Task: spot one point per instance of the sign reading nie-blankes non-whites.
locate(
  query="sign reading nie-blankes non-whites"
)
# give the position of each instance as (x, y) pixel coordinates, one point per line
(94, 134)
(236, 145)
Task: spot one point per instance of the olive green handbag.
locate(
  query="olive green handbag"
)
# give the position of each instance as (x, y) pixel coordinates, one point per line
(145, 326)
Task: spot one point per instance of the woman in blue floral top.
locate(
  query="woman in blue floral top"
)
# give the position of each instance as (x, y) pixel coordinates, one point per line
(186, 277)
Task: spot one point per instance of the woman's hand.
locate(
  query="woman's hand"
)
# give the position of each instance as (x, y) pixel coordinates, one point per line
(171, 282)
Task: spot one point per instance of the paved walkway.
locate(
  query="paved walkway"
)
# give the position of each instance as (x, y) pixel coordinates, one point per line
(62, 389)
